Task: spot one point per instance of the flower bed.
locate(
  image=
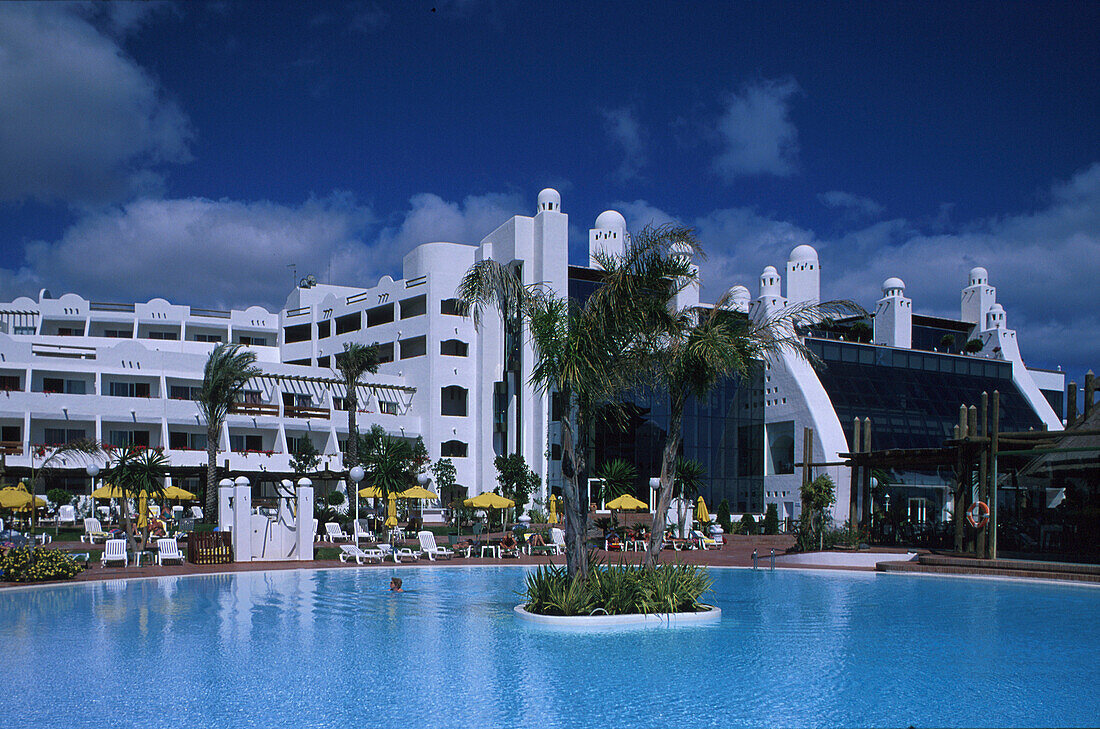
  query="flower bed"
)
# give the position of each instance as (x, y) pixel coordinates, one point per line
(23, 564)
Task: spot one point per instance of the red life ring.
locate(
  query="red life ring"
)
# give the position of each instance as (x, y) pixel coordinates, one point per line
(978, 515)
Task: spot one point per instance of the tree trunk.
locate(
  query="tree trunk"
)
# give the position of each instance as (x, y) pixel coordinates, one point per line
(352, 403)
(668, 466)
(576, 525)
(212, 437)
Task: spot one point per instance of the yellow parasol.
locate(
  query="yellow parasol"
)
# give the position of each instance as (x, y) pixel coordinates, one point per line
(418, 492)
(552, 517)
(626, 502)
(17, 498)
(489, 500)
(175, 493)
(391, 511)
(370, 492)
(701, 513)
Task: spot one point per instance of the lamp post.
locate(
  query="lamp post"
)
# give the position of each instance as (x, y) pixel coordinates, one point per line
(92, 470)
(423, 479)
(356, 475)
(654, 484)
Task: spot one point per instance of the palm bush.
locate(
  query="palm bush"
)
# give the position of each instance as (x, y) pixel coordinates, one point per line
(617, 590)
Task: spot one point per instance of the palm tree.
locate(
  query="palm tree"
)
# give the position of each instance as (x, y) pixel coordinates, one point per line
(578, 354)
(617, 478)
(390, 464)
(690, 475)
(685, 352)
(139, 474)
(227, 370)
(356, 360)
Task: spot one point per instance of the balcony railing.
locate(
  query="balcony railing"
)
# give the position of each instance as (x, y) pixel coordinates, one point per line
(11, 447)
(301, 411)
(253, 408)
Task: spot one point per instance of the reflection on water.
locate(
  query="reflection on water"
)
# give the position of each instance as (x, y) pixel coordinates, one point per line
(335, 647)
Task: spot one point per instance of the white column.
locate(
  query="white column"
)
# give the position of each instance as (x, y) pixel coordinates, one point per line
(242, 520)
(305, 520)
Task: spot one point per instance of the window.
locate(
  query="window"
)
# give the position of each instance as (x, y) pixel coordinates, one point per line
(129, 389)
(163, 335)
(453, 449)
(349, 323)
(23, 330)
(242, 443)
(58, 385)
(339, 404)
(555, 451)
(297, 400)
(124, 438)
(10, 433)
(387, 407)
(452, 307)
(183, 392)
(61, 436)
(186, 441)
(453, 348)
(416, 306)
(252, 341)
(324, 329)
(385, 352)
(555, 407)
(251, 397)
(453, 400)
(380, 315)
(324, 361)
(215, 338)
(301, 362)
(10, 383)
(413, 347)
(70, 332)
(118, 333)
(296, 333)
(780, 447)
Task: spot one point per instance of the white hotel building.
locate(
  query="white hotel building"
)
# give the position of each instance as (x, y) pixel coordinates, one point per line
(125, 373)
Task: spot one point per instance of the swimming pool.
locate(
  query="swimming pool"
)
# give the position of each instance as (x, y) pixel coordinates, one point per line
(333, 648)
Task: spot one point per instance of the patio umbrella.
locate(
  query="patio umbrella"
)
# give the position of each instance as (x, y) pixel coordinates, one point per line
(701, 513)
(391, 511)
(552, 517)
(17, 498)
(420, 494)
(370, 492)
(489, 500)
(175, 493)
(626, 502)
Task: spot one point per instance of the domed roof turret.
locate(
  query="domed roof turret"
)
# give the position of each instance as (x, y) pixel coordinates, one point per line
(549, 199)
(769, 271)
(892, 283)
(611, 220)
(803, 254)
(978, 275)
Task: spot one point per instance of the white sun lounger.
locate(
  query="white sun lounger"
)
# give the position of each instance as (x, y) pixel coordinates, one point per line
(362, 533)
(93, 530)
(334, 533)
(429, 548)
(66, 515)
(351, 551)
(114, 550)
(558, 538)
(405, 553)
(196, 512)
(168, 549)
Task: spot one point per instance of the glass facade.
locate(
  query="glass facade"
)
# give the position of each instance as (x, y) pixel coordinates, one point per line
(724, 432)
(913, 398)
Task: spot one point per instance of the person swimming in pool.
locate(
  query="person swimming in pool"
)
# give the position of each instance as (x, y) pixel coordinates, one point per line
(395, 584)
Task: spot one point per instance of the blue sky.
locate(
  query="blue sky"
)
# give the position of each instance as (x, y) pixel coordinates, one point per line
(194, 151)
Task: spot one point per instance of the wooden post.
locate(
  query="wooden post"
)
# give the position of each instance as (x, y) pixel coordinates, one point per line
(995, 429)
(983, 483)
(1090, 394)
(1071, 404)
(853, 489)
(960, 480)
(866, 472)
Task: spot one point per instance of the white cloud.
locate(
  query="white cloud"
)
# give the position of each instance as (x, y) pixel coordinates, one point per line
(235, 254)
(80, 121)
(624, 130)
(756, 133)
(855, 205)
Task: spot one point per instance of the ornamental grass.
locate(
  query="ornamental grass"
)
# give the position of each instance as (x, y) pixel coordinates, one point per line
(617, 590)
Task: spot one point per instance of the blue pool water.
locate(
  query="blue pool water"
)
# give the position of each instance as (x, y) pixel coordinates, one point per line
(333, 648)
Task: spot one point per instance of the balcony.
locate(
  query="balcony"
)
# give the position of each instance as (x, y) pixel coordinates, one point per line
(253, 408)
(302, 411)
(11, 447)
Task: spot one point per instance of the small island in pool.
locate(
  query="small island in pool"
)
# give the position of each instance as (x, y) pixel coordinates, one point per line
(617, 590)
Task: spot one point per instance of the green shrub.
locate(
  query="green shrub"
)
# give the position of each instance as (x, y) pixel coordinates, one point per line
(617, 590)
(23, 564)
(748, 524)
(723, 515)
(59, 497)
(335, 498)
(974, 346)
(771, 520)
